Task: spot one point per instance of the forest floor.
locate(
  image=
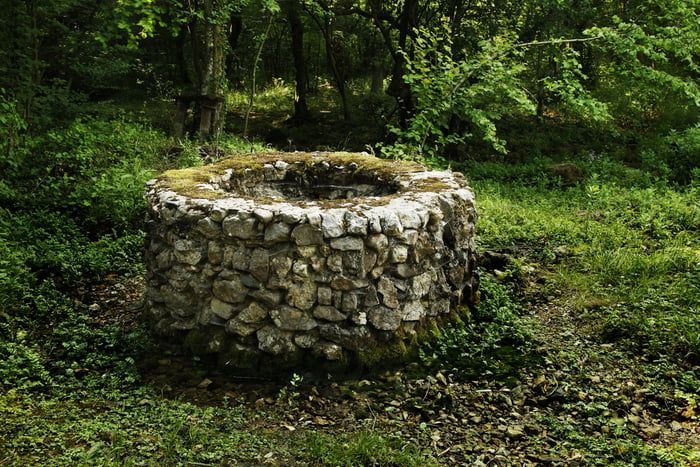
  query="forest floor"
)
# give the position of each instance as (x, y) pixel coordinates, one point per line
(585, 349)
(603, 374)
(576, 400)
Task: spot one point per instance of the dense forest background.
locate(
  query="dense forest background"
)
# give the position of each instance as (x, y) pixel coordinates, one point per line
(575, 120)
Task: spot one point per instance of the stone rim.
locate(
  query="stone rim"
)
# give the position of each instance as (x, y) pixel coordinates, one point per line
(412, 196)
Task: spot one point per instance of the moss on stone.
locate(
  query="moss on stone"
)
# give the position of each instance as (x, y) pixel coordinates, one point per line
(185, 181)
(381, 354)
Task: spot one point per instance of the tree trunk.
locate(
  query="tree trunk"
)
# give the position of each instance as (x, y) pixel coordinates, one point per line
(325, 26)
(301, 109)
(234, 34)
(398, 89)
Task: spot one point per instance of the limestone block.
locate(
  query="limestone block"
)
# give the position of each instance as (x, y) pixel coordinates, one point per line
(292, 319)
(240, 227)
(277, 232)
(275, 341)
(231, 291)
(307, 234)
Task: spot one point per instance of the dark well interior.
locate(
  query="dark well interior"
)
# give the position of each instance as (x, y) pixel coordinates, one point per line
(316, 182)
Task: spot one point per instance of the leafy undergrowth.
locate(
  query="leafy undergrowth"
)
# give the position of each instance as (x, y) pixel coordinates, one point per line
(584, 349)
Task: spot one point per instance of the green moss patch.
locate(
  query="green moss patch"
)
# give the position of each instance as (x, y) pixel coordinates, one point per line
(186, 181)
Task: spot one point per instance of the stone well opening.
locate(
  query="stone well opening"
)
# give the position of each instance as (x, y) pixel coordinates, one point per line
(284, 259)
(313, 181)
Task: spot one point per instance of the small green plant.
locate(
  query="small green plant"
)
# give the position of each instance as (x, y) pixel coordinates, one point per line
(364, 449)
(494, 339)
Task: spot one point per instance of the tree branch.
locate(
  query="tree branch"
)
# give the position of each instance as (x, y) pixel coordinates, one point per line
(558, 41)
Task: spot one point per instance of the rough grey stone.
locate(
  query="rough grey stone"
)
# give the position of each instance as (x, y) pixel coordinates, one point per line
(356, 223)
(263, 215)
(267, 297)
(414, 311)
(348, 283)
(335, 263)
(359, 318)
(253, 313)
(222, 309)
(352, 338)
(164, 260)
(209, 228)
(409, 217)
(231, 291)
(329, 350)
(292, 319)
(391, 225)
(188, 252)
(371, 298)
(376, 272)
(307, 234)
(250, 282)
(408, 236)
(439, 307)
(386, 319)
(305, 341)
(292, 215)
(307, 251)
(300, 269)
(377, 242)
(332, 223)
(350, 302)
(353, 263)
(275, 341)
(318, 264)
(374, 223)
(280, 266)
(215, 252)
(237, 256)
(347, 243)
(369, 260)
(277, 232)
(259, 264)
(398, 254)
(302, 295)
(420, 284)
(328, 313)
(325, 296)
(387, 289)
(241, 227)
(406, 270)
(236, 326)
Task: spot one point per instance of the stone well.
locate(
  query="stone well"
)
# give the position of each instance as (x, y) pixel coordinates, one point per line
(289, 258)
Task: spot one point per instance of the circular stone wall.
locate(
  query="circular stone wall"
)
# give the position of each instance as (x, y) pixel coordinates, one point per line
(293, 257)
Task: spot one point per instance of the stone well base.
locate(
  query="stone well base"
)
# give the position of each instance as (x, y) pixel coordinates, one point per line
(282, 258)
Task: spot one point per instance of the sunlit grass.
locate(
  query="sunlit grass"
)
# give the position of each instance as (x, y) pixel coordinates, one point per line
(628, 257)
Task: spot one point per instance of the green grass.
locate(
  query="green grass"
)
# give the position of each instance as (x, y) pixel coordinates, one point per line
(620, 250)
(625, 256)
(138, 427)
(364, 449)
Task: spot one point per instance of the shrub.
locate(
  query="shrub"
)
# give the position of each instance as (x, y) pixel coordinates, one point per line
(675, 156)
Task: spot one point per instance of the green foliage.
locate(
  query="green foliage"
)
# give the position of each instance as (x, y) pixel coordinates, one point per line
(494, 340)
(364, 448)
(21, 366)
(625, 248)
(134, 428)
(675, 156)
(473, 93)
(652, 58)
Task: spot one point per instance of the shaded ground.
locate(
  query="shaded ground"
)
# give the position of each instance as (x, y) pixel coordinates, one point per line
(586, 402)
